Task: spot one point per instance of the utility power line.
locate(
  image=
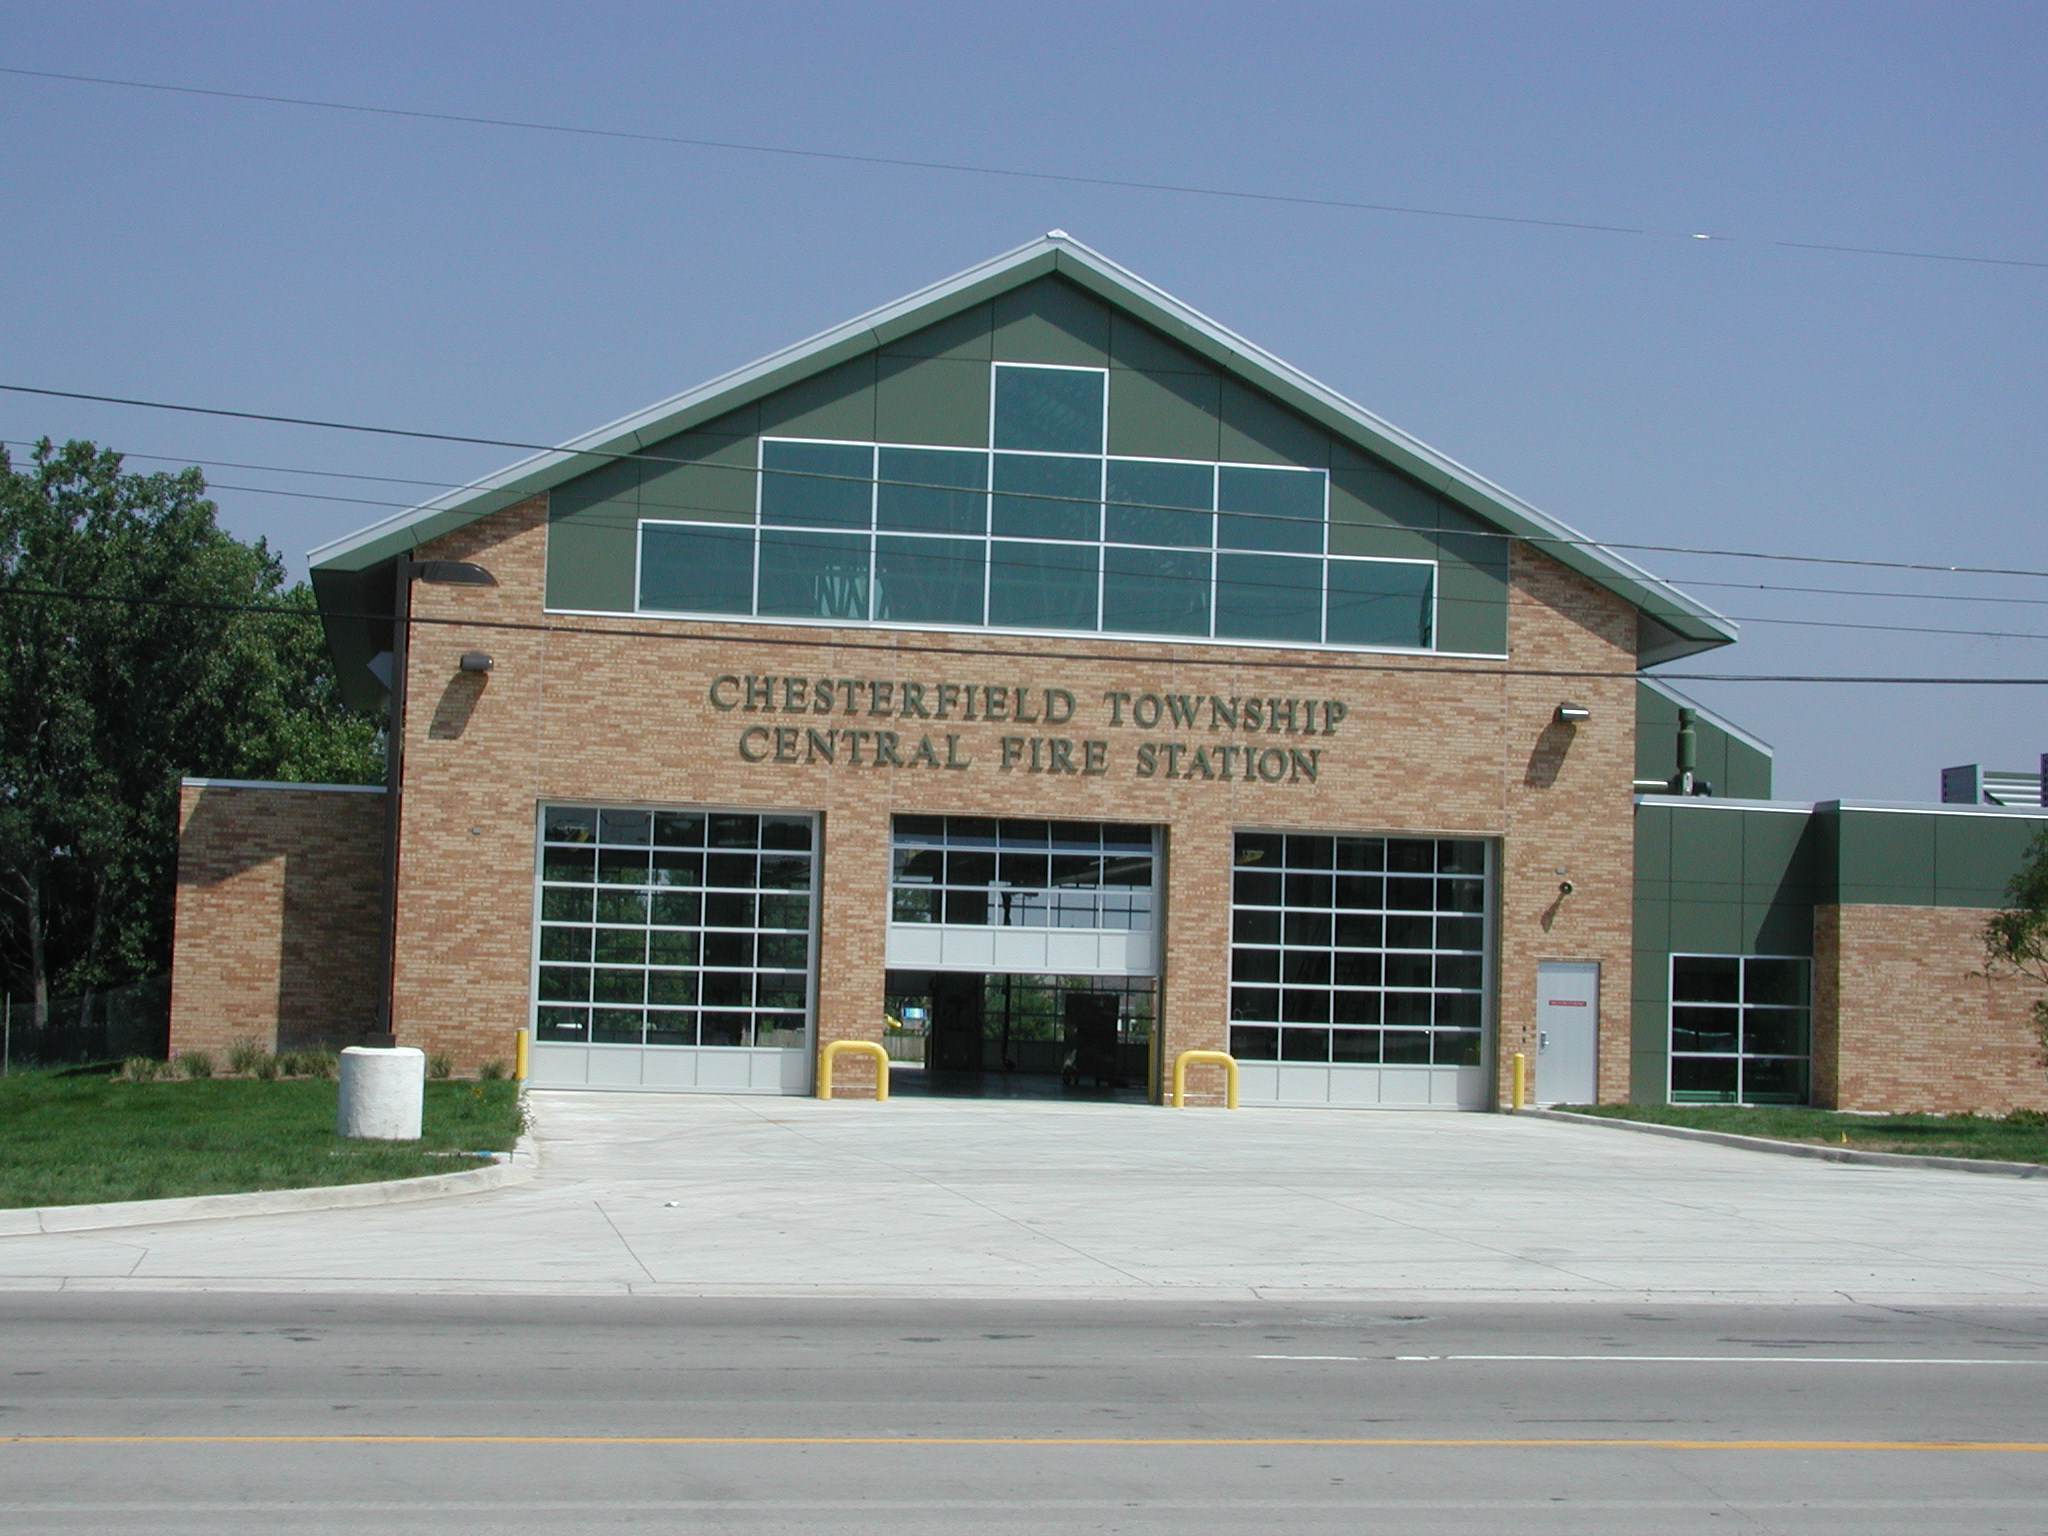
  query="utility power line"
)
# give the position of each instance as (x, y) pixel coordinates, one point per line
(963, 168)
(672, 464)
(1447, 667)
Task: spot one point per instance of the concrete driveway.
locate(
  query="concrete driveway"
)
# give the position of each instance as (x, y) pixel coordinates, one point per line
(760, 1197)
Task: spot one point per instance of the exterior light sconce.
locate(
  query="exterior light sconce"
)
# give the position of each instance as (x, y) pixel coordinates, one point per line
(1572, 714)
(476, 661)
(449, 573)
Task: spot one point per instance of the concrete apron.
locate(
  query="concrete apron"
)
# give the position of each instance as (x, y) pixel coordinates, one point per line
(685, 1195)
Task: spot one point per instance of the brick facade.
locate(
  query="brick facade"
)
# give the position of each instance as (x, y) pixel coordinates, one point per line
(1905, 1017)
(279, 912)
(615, 709)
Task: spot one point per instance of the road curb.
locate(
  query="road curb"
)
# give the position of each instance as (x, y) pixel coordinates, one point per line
(1800, 1148)
(518, 1166)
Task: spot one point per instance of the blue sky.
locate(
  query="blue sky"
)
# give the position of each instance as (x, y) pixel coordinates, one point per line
(1645, 389)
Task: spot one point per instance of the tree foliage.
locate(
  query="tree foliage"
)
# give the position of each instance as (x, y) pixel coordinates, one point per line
(127, 660)
(2016, 937)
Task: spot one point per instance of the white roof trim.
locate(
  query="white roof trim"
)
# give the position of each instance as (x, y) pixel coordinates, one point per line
(324, 789)
(1064, 245)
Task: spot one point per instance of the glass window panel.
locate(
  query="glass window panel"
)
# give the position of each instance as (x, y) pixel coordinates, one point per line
(1308, 967)
(562, 1023)
(564, 984)
(1705, 979)
(1705, 1029)
(675, 989)
(1461, 895)
(918, 866)
(622, 906)
(785, 912)
(1357, 968)
(1355, 1007)
(1053, 410)
(564, 943)
(1406, 1046)
(617, 1026)
(1464, 933)
(790, 834)
(969, 867)
(967, 907)
(735, 831)
(1457, 1048)
(728, 989)
(1256, 887)
(679, 829)
(913, 906)
(1255, 1003)
(1773, 1080)
(1270, 509)
(1304, 1045)
(1380, 602)
(1461, 856)
(1407, 855)
(1043, 586)
(733, 909)
(1255, 965)
(1774, 1031)
(724, 1029)
(1155, 592)
(1127, 870)
(1255, 927)
(928, 830)
(676, 867)
(696, 568)
(1039, 498)
(622, 866)
(1703, 1079)
(1307, 930)
(1166, 504)
(1404, 970)
(1305, 851)
(931, 490)
(668, 946)
(569, 824)
(1303, 1005)
(1457, 1010)
(622, 946)
(1410, 1009)
(929, 581)
(669, 1028)
(677, 910)
(1778, 982)
(1410, 895)
(577, 865)
(1306, 890)
(618, 986)
(1254, 1043)
(816, 485)
(1362, 853)
(1410, 932)
(1355, 1045)
(1459, 971)
(1030, 870)
(785, 873)
(732, 950)
(624, 829)
(814, 575)
(1361, 893)
(1263, 848)
(1268, 597)
(785, 951)
(730, 871)
(565, 906)
(1356, 931)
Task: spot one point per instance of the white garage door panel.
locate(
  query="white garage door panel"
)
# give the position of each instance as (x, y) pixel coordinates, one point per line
(1357, 1086)
(670, 1068)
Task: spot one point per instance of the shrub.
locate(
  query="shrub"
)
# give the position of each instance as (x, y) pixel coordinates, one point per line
(266, 1067)
(143, 1069)
(440, 1065)
(196, 1063)
(495, 1071)
(321, 1063)
(243, 1056)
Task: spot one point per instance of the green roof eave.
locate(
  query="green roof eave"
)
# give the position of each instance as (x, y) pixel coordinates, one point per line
(1673, 624)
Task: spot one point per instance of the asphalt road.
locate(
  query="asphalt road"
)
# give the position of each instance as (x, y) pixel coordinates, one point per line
(371, 1415)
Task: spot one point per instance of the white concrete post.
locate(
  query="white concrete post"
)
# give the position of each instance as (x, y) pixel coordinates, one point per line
(381, 1093)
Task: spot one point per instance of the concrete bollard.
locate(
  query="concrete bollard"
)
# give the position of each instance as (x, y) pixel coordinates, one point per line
(381, 1093)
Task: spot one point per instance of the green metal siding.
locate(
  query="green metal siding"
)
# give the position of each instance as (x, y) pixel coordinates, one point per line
(931, 386)
(1950, 858)
(1737, 770)
(1717, 880)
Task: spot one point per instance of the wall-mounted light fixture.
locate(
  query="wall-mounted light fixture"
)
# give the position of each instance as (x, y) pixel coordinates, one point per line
(476, 661)
(1572, 714)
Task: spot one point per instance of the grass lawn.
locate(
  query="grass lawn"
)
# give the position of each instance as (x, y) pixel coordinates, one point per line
(81, 1140)
(2018, 1138)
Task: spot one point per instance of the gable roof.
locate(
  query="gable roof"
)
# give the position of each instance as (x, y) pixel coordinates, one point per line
(1672, 624)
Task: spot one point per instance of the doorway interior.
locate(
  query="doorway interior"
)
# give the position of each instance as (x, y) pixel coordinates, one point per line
(973, 1034)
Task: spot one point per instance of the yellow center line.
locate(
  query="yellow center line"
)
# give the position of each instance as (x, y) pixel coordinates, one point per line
(1362, 1442)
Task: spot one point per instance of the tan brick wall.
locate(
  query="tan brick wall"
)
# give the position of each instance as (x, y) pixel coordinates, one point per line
(613, 709)
(278, 916)
(1906, 1019)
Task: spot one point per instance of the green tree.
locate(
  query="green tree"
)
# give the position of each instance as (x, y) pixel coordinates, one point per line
(128, 658)
(2016, 938)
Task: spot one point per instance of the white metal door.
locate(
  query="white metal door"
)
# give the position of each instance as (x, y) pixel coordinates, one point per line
(1567, 1030)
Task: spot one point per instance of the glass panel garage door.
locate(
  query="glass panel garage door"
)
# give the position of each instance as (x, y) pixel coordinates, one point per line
(1359, 969)
(674, 950)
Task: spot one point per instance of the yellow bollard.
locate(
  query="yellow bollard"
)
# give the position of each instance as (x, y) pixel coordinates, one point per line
(519, 1038)
(1222, 1059)
(1520, 1093)
(831, 1053)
